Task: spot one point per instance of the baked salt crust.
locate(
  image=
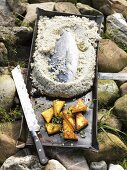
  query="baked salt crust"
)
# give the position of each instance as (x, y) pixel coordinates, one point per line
(49, 31)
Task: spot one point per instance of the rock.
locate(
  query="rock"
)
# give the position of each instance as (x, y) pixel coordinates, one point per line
(13, 37)
(108, 92)
(87, 10)
(109, 55)
(115, 167)
(123, 89)
(111, 148)
(109, 7)
(7, 91)
(54, 165)
(3, 54)
(5, 71)
(4, 8)
(7, 147)
(72, 159)
(29, 162)
(9, 39)
(106, 117)
(17, 6)
(6, 20)
(117, 29)
(121, 109)
(119, 82)
(98, 165)
(11, 129)
(31, 11)
(23, 34)
(7, 36)
(66, 7)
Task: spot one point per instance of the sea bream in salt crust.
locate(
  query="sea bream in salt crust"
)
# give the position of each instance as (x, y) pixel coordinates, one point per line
(64, 58)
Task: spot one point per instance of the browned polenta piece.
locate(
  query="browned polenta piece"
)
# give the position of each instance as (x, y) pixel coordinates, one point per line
(52, 128)
(81, 121)
(79, 107)
(48, 114)
(68, 133)
(69, 119)
(57, 106)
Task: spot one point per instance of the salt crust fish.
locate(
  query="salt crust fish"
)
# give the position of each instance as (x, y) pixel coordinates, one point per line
(65, 58)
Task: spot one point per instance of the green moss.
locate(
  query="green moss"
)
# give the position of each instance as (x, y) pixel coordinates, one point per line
(25, 24)
(9, 116)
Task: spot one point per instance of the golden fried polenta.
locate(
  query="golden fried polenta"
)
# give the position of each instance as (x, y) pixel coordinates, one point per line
(48, 114)
(81, 121)
(57, 106)
(52, 128)
(68, 133)
(69, 119)
(79, 106)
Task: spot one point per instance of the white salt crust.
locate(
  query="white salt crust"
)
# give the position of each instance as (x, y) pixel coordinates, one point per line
(49, 31)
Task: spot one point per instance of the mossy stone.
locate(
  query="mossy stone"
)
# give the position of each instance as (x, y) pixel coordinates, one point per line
(108, 92)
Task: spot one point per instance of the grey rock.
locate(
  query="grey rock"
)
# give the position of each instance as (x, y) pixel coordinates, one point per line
(16, 39)
(87, 10)
(123, 89)
(98, 165)
(108, 92)
(72, 159)
(7, 91)
(54, 165)
(31, 11)
(11, 129)
(117, 28)
(66, 7)
(7, 147)
(3, 54)
(7, 36)
(29, 162)
(4, 8)
(108, 118)
(109, 55)
(6, 20)
(111, 148)
(121, 109)
(109, 7)
(17, 6)
(115, 167)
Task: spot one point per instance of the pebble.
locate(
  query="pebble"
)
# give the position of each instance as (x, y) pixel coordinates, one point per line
(115, 167)
(98, 165)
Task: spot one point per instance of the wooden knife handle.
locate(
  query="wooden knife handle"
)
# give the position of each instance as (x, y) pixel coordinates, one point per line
(40, 150)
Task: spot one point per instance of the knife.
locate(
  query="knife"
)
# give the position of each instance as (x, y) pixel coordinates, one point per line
(29, 114)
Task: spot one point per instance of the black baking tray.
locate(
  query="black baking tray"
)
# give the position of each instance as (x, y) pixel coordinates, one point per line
(90, 98)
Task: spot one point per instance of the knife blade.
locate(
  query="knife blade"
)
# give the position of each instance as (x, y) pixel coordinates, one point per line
(29, 114)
